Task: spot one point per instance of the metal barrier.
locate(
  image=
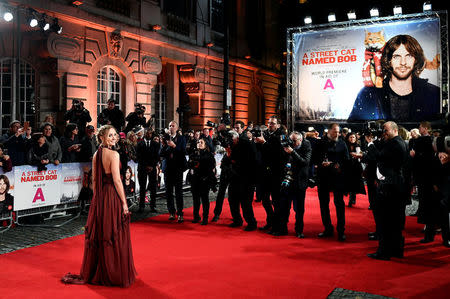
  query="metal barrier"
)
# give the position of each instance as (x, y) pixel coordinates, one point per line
(51, 212)
(6, 216)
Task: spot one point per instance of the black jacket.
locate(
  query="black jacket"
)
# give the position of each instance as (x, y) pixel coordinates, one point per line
(243, 162)
(301, 158)
(272, 154)
(147, 156)
(115, 117)
(374, 103)
(175, 157)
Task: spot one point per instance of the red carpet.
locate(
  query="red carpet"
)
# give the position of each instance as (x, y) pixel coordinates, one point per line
(192, 261)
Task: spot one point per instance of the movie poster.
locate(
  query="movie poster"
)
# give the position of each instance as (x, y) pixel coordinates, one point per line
(34, 188)
(338, 73)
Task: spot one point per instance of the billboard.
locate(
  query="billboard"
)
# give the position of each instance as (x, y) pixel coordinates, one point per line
(362, 72)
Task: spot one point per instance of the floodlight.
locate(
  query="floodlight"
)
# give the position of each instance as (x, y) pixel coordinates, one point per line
(374, 12)
(43, 23)
(332, 17)
(8, 16)
(308, 20)
(351, 15)
(397, 10)
(427, 6)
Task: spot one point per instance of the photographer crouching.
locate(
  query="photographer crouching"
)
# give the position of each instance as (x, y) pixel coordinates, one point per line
(201, 167)
(295, 182)
(78, 115)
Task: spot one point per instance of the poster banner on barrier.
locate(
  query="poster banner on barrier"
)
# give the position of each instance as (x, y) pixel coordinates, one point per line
(339, 73)
(7, 178)
(72, 180)
(34, 188)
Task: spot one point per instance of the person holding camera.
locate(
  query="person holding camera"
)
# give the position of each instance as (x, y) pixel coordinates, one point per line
(240, 192)
(222, 144)
(294, 186)
(148, 151)
(273, 159)
(332, 155)
(38, 153)
(136, 118)
(174, 153)
(201, 166)
(70, 144)
(112, 115)
(391, 155)
(78, 115)
(15, 142)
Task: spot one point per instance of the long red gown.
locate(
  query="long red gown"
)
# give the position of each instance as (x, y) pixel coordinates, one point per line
(108, 257)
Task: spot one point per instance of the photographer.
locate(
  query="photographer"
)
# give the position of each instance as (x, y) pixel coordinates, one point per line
(332, 155)
(136, 118)
(174, 152)
(223, 143)
(78, 115)
(147, 159)
(5, 161)
(295, 183)
(240, 192)
(16, 143)
(391, 155)
(273, 159)
(38, 154)
(112, 115)
(202, 164)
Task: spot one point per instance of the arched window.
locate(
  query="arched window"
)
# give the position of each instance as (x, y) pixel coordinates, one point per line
(27, 78)
(108, 85)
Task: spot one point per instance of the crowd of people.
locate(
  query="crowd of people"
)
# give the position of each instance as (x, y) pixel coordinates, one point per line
(276, 165)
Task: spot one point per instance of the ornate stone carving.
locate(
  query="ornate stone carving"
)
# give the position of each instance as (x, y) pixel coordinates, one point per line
(116, 41)
(188, 78)
(201, 75)
(64, 47)
(151, 65)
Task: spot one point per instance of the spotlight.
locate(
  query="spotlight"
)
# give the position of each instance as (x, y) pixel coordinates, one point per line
(427, 6)
(156, 27)
(332, 17)
(351, 15)
(308, 20)
(31, 18)
(33, 22)
(210, 44)
(43, 24)
(8, 16)
(247, 57)
(374, 12)
(55, 26)
(397, 10)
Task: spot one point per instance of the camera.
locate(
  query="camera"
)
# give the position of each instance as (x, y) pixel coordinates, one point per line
(139, 108)
(212, 124)
(441, 144)
(287, 179)
(165, 137)
(256, 132)
(76, 104)
(285, 141)
(373, 128)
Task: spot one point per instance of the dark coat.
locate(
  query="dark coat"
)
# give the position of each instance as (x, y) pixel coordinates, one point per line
(202, 163)
(17, 149)
(66, 142)
(114, 116)
(272, 154)
(243, 162)
(7, 204)
(147, 156)
(332, 177)
(374, 103)
(175, 157)
(301, 158)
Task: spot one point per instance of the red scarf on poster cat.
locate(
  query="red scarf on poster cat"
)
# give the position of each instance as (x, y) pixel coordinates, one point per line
(369, 56)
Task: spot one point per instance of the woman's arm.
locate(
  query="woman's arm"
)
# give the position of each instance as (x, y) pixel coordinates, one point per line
(115, 171)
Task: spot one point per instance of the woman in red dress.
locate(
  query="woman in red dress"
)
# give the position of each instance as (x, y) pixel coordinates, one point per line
(108, 257)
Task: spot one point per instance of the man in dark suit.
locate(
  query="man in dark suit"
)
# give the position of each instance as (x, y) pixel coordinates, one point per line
(299, 157)
(391, 200)
(174, 152)
(240, 192)
(332, 155)
(273, 160)
(147, 157)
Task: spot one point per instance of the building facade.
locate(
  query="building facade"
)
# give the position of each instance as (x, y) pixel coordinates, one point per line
(162, 54)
